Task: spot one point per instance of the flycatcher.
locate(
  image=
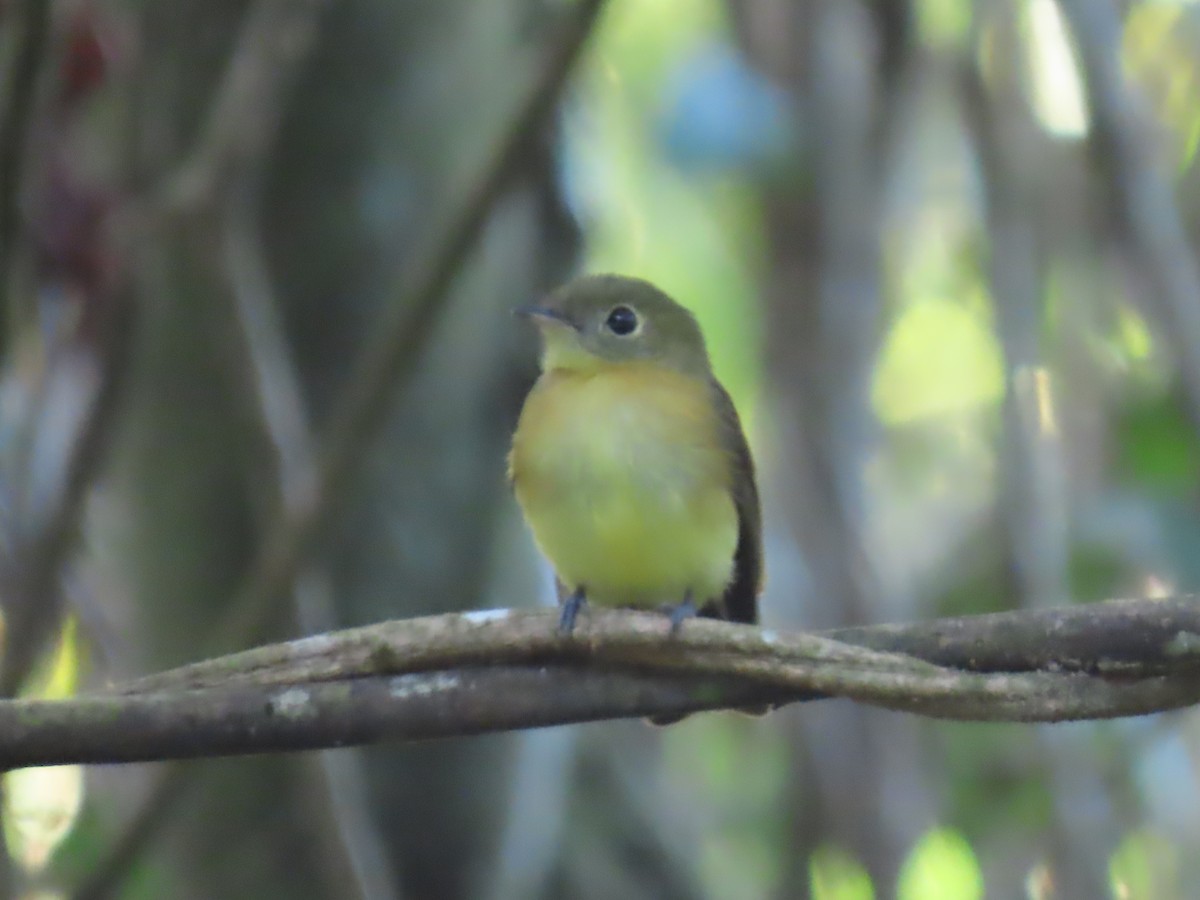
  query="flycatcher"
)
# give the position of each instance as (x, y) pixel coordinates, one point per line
(629, 460)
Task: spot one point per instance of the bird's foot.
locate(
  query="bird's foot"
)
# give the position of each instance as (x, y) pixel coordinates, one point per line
(570, 609)
(681, 612)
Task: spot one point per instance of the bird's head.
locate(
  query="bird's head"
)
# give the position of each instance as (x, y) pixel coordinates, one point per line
(601, 320)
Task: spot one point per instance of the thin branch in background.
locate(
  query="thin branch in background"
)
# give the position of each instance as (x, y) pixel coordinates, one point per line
(17, 107)
(73, 401)
(264, 357)
(1139, 195)
(32, 574)
(273, 40)
(860, 757)
(275, 386)
(509, 669)
(386, 362)
(251, 83)
(62, 430)
(284, 416)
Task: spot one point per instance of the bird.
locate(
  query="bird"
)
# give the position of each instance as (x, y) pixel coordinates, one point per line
(629, 461)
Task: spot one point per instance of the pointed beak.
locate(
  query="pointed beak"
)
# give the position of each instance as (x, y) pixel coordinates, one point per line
(543, 314)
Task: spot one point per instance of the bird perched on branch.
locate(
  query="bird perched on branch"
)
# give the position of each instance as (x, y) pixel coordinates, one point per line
(629, 460)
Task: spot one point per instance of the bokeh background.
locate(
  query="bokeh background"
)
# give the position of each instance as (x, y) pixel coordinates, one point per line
(945, 256)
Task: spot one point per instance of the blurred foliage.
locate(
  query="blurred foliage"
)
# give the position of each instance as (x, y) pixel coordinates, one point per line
(739, 770)
(1054, 83)
(1146, 867)
(940, 360)
(696, 235)
(838, 876)
(681, 210)
(1158, 451)
(1159, 50)
(675, 147)
(941, 867)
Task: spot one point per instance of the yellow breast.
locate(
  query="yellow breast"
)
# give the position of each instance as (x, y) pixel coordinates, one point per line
(625, 485)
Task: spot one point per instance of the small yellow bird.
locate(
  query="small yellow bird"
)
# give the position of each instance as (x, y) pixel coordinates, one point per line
(629, 460)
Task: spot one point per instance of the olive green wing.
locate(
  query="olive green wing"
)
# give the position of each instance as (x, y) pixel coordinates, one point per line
(741, 597)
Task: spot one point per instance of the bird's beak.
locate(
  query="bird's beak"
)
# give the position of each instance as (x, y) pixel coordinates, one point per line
(544, 314)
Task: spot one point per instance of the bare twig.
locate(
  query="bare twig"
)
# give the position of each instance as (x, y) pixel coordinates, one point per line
(32, 575)
(510, 669)
(226, 162)
(265, 358)
(265, 364)
(243, 120)
(227, 152)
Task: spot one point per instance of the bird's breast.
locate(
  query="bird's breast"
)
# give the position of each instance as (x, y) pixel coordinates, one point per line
(649, 428)
(625, 483)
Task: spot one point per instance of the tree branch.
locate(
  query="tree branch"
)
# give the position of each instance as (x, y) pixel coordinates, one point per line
(273, 41)
(470, 673)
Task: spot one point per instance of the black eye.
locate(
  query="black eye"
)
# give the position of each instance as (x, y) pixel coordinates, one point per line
(621, 321)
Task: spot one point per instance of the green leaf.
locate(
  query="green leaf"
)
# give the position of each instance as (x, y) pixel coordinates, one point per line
(941, 866)
(836, 875)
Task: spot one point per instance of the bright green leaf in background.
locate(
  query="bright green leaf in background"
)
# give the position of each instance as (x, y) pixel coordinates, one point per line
(836, 875)
(1146, 867)
(1157, 450)
(939, 359)
(1056, 89)
(944, 23)
(941, 866)
(1159, 56)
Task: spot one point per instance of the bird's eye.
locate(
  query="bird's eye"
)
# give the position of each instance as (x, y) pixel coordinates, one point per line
(621, 321)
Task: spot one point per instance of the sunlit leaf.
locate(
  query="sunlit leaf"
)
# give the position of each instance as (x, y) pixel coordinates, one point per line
(941, 866)
(61, 676)
(40, 807)
(836, 875)
(1146, 867)
(1133, 335)
(1159, 53)
(940, 358)
(1055, 83)
(943, 22)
